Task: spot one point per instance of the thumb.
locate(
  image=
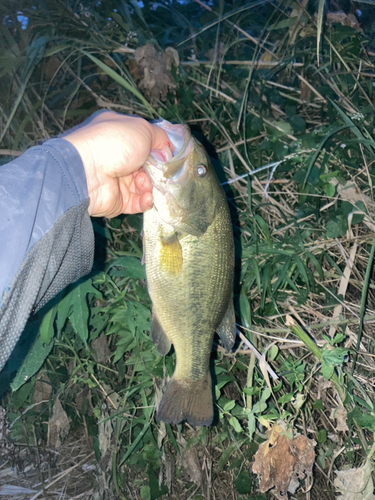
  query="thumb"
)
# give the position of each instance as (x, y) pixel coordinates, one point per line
(160, 139)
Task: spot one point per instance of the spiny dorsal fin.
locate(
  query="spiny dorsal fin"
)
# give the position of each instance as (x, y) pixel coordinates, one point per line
(159, 337)
(227, 327)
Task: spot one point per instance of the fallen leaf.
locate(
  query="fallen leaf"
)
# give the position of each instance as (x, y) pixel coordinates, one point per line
(217, 53)
(169, 469)
(281, 462)
(190, 461)
(344, 19)
(102, 351)
(42, 391)
(105, 433)
(152, 71)
(355, 484)
(340, 415)
(58, 425)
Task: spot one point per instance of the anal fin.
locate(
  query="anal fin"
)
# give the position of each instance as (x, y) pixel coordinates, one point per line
(227, 328)
(159, 337)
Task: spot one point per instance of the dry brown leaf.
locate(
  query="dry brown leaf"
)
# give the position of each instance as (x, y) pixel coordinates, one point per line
(152, 71)
(42, 390)
(58, 425)
(344, 19)
(355, 484)
(350, 192)
(340, 415)
(105, 432)
(51, 66)
(216, 54)
(100, 346)
(169, 469)
(190, 461)
(281, 462)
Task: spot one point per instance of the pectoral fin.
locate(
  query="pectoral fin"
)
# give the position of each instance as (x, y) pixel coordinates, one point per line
(171, 254)
(227, 328)
(159, 337)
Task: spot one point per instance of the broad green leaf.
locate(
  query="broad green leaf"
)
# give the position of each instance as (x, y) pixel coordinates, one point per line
(138, 318)
(229, 406)
(363, 419)
(337, 227)
(33, 361)
(46, 330)
(131, 265)
(79, 316)
(251, 424)
(235, 424)
(243, 482)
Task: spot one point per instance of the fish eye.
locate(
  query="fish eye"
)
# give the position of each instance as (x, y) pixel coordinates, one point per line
(201, 171)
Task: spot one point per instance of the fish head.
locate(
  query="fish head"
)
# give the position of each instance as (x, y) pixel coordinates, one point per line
(185, 187)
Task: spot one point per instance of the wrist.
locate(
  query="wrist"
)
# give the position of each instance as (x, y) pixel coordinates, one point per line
(88, 163)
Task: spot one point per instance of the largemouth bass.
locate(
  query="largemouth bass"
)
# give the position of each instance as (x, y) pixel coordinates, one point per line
(189, 255)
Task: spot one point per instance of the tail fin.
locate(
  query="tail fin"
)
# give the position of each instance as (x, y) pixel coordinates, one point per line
(187, 400)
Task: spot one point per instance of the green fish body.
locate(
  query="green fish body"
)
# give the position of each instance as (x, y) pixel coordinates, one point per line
(189, 255)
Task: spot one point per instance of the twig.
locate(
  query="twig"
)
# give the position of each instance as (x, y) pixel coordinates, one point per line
(257, 353)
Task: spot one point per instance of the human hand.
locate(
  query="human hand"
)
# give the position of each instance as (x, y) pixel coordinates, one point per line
(113, 148)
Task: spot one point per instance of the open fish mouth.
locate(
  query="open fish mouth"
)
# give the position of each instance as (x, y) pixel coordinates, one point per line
(163, 164)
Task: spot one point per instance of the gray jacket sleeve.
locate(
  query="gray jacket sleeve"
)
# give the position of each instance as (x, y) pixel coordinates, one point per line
(46, 236)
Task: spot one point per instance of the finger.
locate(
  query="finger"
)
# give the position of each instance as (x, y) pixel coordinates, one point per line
(138, 203)
(142, 182)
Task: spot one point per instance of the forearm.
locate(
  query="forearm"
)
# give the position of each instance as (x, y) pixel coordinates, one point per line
(46, 237)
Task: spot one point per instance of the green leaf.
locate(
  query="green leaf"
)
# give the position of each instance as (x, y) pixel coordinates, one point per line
(251, 424)
(33, 361)
(80, 310)
(19, 396)
(298, 123)
(259, 407)
(273, 352)
(235, 424)
(133, 267)
(318, 405)
(224, 458)
(229, 406)
(337, 227)
(329, 190)
(317, 266)
(46, 330)
(286, 398)
(334, 357)
(243, 482)
(322, 436)
(327, 371)
(138, 318)
(363, 419)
